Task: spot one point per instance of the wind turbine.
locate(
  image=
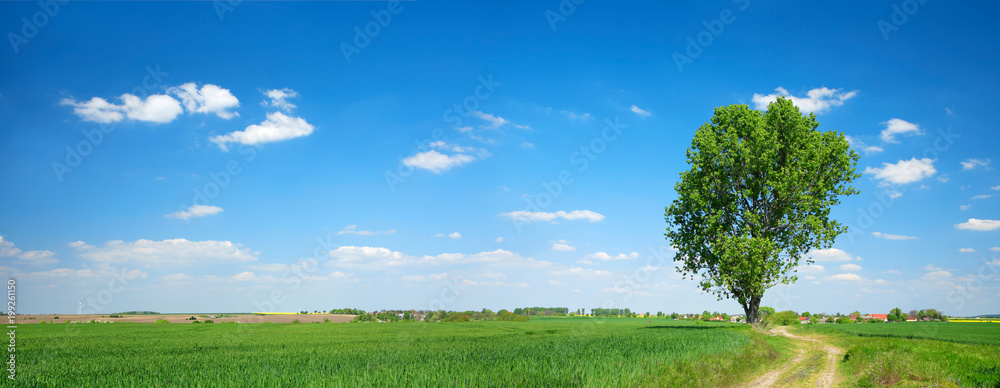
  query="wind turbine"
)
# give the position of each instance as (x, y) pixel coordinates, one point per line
(80, 312)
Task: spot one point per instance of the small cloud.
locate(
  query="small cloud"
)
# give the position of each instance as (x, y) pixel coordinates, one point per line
(995, 249)
(209, 99)
(817, 100)
(850, 267)
(971, 164)
(563, 246)
(195, 211)
(845, 277)
(527, 145)
(979, 225)
(964, 207)
(557, 283)
(895, 127)
(983, 196)
(892, 272)
(279, 99)
(437, 162)
(966, 250)
(277, 127)
(353, 229)
(892, 236)
(641, 112)
(995, 188)
(903, 172)
(831, 254)
(522, 215)
(604, 256)
(454, 235)
(499, 239)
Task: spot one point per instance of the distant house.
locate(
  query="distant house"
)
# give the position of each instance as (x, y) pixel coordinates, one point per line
(882, 317)
(719, 318)
(735, 318)
(803, 319)
(911, 319)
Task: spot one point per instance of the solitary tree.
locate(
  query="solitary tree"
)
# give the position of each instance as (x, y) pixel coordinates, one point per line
(757, 198)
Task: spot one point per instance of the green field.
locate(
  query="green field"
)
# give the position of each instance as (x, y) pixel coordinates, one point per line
(917, 354)
(968, 333)
(542, 352)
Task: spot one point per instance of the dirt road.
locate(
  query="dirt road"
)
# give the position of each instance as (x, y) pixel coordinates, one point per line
(806, 368)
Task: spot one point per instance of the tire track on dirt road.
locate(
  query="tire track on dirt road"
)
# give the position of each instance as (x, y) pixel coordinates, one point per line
(825, 378)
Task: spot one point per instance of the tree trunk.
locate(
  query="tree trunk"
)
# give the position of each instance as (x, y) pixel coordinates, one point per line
(751, 309)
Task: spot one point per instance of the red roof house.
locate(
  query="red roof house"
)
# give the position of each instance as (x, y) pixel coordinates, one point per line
(884, 317)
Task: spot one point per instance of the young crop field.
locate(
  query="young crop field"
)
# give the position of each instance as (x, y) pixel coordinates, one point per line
(969, 333)
(917, 354)
(541, 352)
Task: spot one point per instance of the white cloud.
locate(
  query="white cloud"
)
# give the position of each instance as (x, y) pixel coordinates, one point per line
(437, 162)
(895, 127)
(468, 282)
(279, 99)
(378, 258)
(831, 254)
(979, 225)
(966, 250)
(7, 248)
(454, 235)
(177, 278)
(557, 283)
(563, 246)
(641, 112)
(892, 272)
(499, 239)
(573, 116)
(421, 278)
(38, 257)
(494, 121)
(277, 127)
(983, 196)
(173, 252)
(845, 277)
(995, 249)
(522, 215)
(868, 150)
(818, 100)
(195, 211)
(123, 273)
(209, 99)
(811, 268)
(157, 108)
(850, 267)
(580, 272)
(971, 164)
(964, 207)
(995, 188)
(353, 229)
(892, 236)
(603, 256)
(903, 172)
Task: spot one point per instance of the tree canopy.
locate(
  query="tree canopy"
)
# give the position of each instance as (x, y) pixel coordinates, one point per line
(757, 198)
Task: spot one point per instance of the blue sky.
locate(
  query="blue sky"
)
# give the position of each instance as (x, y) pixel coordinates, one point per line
(202, 156)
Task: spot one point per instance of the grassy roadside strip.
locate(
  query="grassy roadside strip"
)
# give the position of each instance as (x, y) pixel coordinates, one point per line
(728, 369)
(872, 361)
